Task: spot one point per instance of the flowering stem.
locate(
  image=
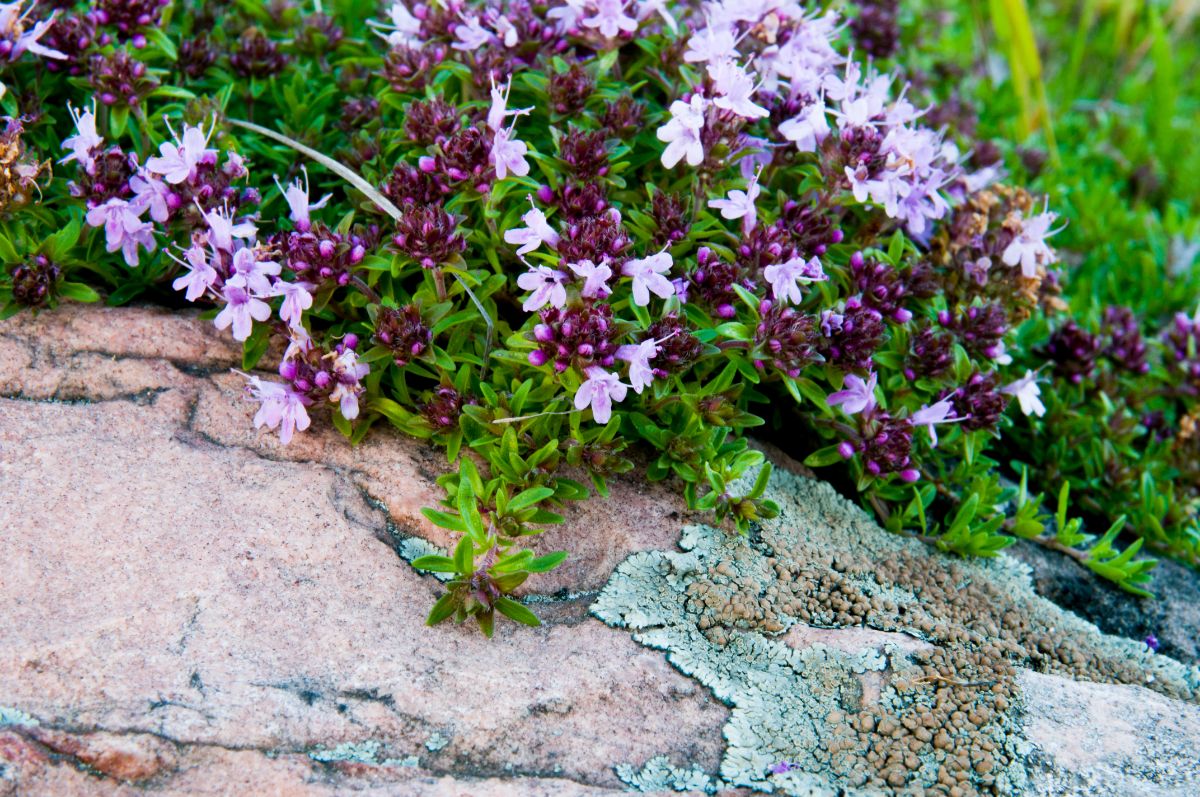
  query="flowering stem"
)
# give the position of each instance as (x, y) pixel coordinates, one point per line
(439, 282)
(366, 289)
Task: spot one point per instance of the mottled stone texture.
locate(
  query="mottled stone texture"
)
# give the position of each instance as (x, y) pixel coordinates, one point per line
(190, 608)
(188, 605)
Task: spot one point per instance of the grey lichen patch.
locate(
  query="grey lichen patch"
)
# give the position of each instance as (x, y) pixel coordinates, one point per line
(658, 774)
(941, 718)
(435, 742)
(364, 752)
(14, 716)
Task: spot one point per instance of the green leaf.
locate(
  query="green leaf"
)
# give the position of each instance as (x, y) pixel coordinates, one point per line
(528, 498)
(515, 611)
(543, 564)
(434, 564)
(444, 607)
(78, 292)
(825, 456)
(444, 519)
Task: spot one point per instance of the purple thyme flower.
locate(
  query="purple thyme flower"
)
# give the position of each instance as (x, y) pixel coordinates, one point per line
(1029, 247)
(599, 391)
(201, 275)
(1151, 643)
(537, 231)
(740, 205)
(1028, 394)
(595, 278)
(647, 275)
(296, 299)
(241, 309)
(682, 133)
(786, 278)
(929, 417)
(281, 407)
(546, 285)
(177, 161)
(86, 142)
(123, 228)
(296, 196)
(857, 396)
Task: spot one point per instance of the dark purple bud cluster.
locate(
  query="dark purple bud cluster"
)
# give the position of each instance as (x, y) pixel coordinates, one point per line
(713, 281)
(465, 156)
(576, 201)
(784, 339)
(428, 234)
(569, 91)
(885, 444)
(678, 348)
(33, 281)
(856, 147)
(980, 329)
(622, 117)
(212, 186)
(765, 245)
(1124, 345)
(130, 17)
(931, 353)
(596, 238)
(812, 230)
(403, 331)
(407, 69)
(581, 334)
(1073, 350)
(320, 255)
(880, 286)
(876, 29)
(1182, 340)
(318, 34)
(109, 179)
(256, 55)
(584, 153)
(316, 374)
(196, 55)
(119, 80)
(72, 35)
(980, 402)
(670, 213)
(444, 408)
(409, 185)
(431, 121)
(850, 338)
(358, 113)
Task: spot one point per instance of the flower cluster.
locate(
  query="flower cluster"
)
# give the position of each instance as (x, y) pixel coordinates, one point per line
(561, 229)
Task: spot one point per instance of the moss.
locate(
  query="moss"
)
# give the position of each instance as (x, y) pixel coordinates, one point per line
(943, 717)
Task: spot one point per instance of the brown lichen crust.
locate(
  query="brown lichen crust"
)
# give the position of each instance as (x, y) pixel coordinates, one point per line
(943, 717)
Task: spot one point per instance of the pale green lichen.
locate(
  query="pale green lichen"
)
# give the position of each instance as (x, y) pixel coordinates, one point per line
(435, 742)
(14, 716)
(659, 775)
(364, 752)
(719, 606)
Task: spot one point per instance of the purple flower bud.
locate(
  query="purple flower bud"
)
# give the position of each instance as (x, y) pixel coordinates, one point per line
(322, 379)
(845, 450)
(350, 341)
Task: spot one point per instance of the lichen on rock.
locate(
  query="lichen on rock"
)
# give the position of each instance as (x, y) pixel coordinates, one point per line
(912, 687)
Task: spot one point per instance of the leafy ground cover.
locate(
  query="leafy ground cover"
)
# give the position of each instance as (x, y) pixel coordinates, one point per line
(935, 258)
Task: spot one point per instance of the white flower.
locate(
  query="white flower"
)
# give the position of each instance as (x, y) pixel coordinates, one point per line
(740, 205)
(200, 277)
(85, 140)
(1029, 247)
(151, 192)
(296, 196)
(934, 414)
(639, 355)
(282, 407)
(222, 229)
(296, 299)
(537, 231)
(599, 391)
(255, 273)
(857, 396)
(546, 285)
(471, 35)
(177, 161)
(508, 155)
(735, 89)
(241, 309)
(682, 132)
(808, 128)
(1028, 394)
(595, 278)
(12, 27)
(610, 19)
(711, 44)
(404, 30)
(123, 228)
(568, 14)
(507, 32)
(647, 7)
(647, 274)
(786, 278)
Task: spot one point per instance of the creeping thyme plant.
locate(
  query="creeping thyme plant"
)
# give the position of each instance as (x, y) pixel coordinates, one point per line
(541, 235)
